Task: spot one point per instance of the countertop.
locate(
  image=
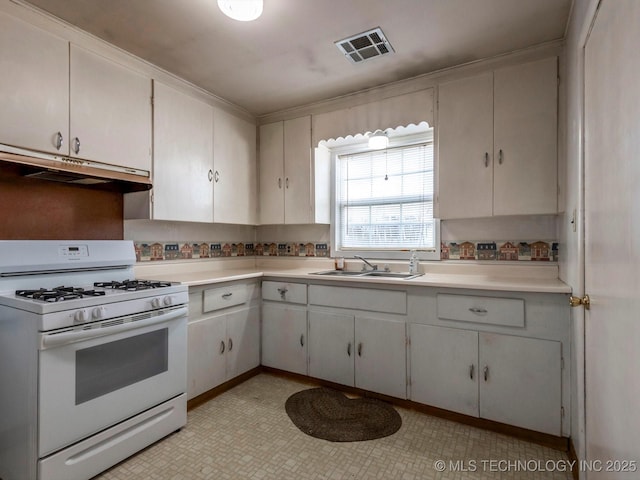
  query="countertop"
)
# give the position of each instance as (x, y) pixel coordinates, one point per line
(538, 278)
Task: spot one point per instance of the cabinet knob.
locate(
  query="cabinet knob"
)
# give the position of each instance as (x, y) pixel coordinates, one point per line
(227, 295)
(216, 176)
(302, 340)
(500, 157)
(471, 371)
(282, 292)
(349, 349)
(360, 349)
(486, 159)
(76, 145)
(230, 344)
(286, 182)
(210, 174)
(485, 372)
(222, 346)
(577, 301)
(478, 311)
(279, 182)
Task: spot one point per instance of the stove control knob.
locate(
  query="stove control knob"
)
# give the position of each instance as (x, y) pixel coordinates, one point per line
(167, 301)
(99, 312)
(156, 302)
(81, 315)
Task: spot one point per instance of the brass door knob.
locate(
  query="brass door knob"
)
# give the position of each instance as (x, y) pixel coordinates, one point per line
(577, 301)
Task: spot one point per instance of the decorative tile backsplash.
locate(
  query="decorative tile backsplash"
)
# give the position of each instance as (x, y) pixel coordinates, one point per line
(158, 251)
(484, 251)
(500, 251)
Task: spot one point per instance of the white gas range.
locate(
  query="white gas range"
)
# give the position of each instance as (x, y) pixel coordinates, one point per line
(92, 361)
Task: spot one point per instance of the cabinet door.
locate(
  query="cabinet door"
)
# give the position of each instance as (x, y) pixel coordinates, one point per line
(34, 104)
(297, 171)
(284, 337)
(381, 356)
(465, 148)
(206, 355)
(522, 386)
(110, 112)
(183, 157)
(331, 347)
(525, 170)
(444, 368)
(272, 173)
(234, 160)
(243, 341)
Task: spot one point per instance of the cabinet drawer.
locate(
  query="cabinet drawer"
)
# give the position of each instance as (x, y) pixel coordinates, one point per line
(284, 292)
(491, 310)
(224, 297)
(385, 301)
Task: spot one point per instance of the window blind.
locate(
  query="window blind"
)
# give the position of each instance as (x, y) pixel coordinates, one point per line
(385, 199)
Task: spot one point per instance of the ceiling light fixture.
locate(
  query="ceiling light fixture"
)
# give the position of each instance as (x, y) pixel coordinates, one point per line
(242, 10)
(378, 140)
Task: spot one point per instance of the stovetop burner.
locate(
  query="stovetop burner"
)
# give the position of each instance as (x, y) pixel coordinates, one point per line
(132, 285)
(58, 294)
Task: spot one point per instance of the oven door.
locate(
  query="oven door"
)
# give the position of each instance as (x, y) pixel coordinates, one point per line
(91, 379)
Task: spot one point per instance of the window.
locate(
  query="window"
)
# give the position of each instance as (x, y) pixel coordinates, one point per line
(384, 201)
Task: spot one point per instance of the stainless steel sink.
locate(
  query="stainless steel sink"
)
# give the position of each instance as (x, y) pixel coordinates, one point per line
(340, 273)
(404, 276)
(370, 273)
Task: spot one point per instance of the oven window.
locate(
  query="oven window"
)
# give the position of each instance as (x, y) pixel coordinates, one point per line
(108, 367)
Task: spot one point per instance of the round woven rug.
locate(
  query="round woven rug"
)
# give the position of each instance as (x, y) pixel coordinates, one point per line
(330, 415)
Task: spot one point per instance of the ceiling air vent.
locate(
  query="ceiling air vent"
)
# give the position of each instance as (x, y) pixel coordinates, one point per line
(365, 45)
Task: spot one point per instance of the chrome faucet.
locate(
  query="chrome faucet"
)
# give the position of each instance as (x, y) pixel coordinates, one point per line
(364, 268)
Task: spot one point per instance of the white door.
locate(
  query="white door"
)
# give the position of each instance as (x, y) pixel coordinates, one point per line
(34, 103)
(297, 170)
(612, 235)
(243, 341)
(234, 158)
(465, 147)
(444, 368)
(520, 381)
(206, 355)
(183, 157)
(271, 173)
(526, 138)
(110, 111)
(331, 347)
(381, 356)
(284, 337)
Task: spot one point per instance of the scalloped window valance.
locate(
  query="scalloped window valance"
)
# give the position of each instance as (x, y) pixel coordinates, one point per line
(410, 108)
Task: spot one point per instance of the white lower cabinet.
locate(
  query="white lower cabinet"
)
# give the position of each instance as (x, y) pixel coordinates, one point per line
(284, 337)
(360, 351)
(222, 347)
(508, 379)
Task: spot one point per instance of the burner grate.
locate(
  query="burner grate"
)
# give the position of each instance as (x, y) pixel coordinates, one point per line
(58, 294)
(132, 285)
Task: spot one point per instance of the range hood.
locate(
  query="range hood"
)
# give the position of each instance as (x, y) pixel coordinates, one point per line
(74, 171)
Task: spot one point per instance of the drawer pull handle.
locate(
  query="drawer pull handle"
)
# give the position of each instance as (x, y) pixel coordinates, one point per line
(349, 349)
(227, 295)
(282, 292)
(471, 370)
(486, 373)
(486, 159)
(478, 311)
(230, 344)
(360, 349)
(221, 347)
(302, 340)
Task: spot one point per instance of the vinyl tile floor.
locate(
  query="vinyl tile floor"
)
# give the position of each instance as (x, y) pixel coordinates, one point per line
(245, 433)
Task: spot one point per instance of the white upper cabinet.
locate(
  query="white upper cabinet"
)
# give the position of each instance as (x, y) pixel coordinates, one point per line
(497, 142)
(183, 157)
(234, 154)
(34, 103)
(110, 112)
(294, 185)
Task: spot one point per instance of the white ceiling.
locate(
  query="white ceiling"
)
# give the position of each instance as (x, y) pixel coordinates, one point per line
(287, 57)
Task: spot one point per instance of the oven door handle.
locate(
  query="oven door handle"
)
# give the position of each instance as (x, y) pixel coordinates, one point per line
(56, 339)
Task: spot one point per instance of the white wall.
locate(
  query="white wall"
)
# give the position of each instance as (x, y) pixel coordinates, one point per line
(163, 231)
(571, 239)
